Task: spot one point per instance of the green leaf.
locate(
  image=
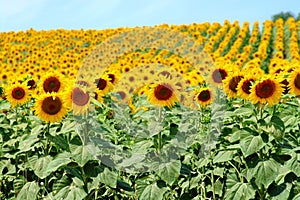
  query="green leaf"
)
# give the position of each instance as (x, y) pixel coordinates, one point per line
(243, 112)
(265, 172)
(240, 191)
(83, 154)
(277, 123)
(4, 105)
(68, 126)
(251, 144)
(59, 141)
(152, 192)
(40, 167)
(223, 156)
(108, 177)
(71, 193)
(278, 192)
(59, 161)
(29, 191)
(169, 172)
(294, 163)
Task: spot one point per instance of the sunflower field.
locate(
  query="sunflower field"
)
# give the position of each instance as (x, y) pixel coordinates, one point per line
(198, 111)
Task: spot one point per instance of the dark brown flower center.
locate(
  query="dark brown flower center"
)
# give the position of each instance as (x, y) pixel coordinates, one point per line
(101, 83)
(51, 106)
(219, 75)
(285, 86)
(162, 92)
(204, 96)
(51, 84)
(265, 89)
(297, 81)
(80, 97)
(246, 86)
(18, 93)
(112, 78)
(233, 83)
(31, 83)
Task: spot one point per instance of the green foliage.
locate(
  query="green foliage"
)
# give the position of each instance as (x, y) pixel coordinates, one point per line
(257, 155)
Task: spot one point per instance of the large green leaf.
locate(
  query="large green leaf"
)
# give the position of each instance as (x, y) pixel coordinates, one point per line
(277, 123)
(265, 172)
(29, 191)
(294, 163)
(223, 156)
(59, 161)
(251, 144)
(169, 172)
(108, 177)
(40, 167)
(240, 190)
(83, 154)
(153, 192)
(71, 193)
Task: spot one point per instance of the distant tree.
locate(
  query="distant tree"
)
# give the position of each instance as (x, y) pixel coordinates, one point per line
(284, 16)
(298, 17)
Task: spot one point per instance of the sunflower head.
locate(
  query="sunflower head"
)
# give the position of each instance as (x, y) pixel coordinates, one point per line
(50, 107)
(204, 96)
(267, 90)
(231, 82)
(294, 82)
(52, 82)
(162, 94)
(244, 86)
(17, 94)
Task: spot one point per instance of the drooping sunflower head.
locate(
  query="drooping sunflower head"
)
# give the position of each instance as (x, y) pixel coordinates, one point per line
(17, 94)
(50, 107)
(267, 90)
(204, 96)
(231, 82)
(294, 82)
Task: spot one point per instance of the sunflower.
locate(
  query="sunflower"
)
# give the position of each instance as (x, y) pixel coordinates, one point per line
(266, 90)
(218, 75)
(17, 94)
(80, 101)
(162, 94)
(244, 86)
(52, 82)
(50, 107)
(294, 82)
(203, 96)
(104, 84)
(231, 82)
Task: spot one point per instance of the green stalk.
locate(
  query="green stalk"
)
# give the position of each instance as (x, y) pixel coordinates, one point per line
(159, 136)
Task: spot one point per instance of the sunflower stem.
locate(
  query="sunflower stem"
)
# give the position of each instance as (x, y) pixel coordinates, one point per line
(159, 136)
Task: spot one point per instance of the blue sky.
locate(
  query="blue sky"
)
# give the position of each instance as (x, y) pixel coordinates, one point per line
(18, 15)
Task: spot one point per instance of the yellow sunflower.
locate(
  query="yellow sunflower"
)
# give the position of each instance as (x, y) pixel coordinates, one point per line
(204, 96)
(17, 94)
(266, 90)
(162, 94)
(50, 107)
(81, 101)
(294, 82)
(231, 82)
(244, 86)
(218, 75)
(104, 84)
(53, 82)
